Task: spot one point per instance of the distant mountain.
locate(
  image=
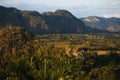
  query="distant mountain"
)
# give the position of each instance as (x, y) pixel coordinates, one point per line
(60, 21)
(101, 23)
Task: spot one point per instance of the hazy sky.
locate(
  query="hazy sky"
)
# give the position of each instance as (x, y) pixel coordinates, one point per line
(79, 8)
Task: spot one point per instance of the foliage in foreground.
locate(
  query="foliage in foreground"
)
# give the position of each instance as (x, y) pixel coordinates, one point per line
(24, 57)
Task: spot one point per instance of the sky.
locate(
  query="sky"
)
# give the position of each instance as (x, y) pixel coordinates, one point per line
(79, 8)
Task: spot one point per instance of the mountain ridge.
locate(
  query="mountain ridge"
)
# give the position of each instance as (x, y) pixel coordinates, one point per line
(109, 24)
(59, 21)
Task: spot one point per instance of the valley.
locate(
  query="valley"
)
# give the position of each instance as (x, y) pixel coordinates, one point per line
(100, 43)
(57, 46)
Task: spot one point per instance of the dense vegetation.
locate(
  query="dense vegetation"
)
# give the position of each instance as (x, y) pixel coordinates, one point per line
(60, 21)
(24, 56)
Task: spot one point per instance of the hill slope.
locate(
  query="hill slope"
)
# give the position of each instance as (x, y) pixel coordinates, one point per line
(60, 21)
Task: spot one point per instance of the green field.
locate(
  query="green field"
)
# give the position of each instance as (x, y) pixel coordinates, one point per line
(101, 43)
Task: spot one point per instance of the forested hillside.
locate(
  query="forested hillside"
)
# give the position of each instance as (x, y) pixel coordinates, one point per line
(60, 21)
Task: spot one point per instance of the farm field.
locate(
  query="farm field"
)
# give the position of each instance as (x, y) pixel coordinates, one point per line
(100, 43)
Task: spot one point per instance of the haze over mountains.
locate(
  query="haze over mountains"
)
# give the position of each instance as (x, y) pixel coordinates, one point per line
(108, 24)
(60, 21)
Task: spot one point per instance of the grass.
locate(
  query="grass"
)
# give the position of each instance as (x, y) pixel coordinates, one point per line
(59, 44)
